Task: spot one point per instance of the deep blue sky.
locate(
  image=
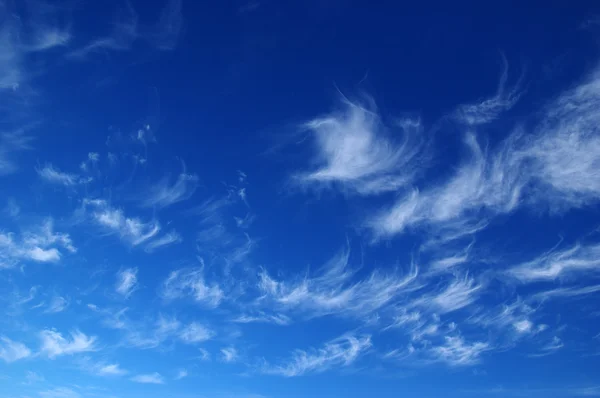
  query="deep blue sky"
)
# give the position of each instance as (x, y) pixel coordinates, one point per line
(299, 198)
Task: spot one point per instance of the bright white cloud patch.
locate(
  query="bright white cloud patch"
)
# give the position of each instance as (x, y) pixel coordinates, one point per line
(39, 244)
(54, 344)
(130, 229)
(340, 352)
(11, 351)
(358, 152)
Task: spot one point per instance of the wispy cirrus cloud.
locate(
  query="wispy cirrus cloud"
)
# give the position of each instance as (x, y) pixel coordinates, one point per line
(579, 258)
(458, 294)
(191, 282)
(340, 352)
(455, 351)
(335, 290)
(150, 378)
(52, 175)
(130, 229)
(261, 317)
(165, 240)
(565, 292)
(54, 344)
(57, 304)
(357, 152)
(489, 109)
(126, 282)
(164, 193)
(124, 33)
(127, 29)
(553, 166)
(550, 347)
(11, 351)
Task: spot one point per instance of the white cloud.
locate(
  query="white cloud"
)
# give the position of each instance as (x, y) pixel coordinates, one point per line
(181, 374)
(11, 351)
(488, 110)
(131, 230)
(486, 182)
(456, 352)
(110, 370)
(550, 348)
(58, 304)
(151, 378)
(337, 353)
(554, 167)
(54, 344)
(126, 282)
(550, 266)
(357, 152)
(165, 240)
(190, 282)
(165, 194)
(278, 319)
(512, 321)
(564, 292)
(335, 291)
(229, 354)
(195, 333)
(55, 176)
(34, 245)
(460, 293)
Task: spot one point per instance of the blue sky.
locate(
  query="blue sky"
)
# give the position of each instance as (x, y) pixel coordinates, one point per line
(308, 198)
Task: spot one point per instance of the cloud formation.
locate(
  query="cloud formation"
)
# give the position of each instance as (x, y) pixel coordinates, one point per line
(54, 344)
(190, 282)
(335, 290)
(40, 244)
(126, 282)
(357, 152)
(489, 109)
(339, 352)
